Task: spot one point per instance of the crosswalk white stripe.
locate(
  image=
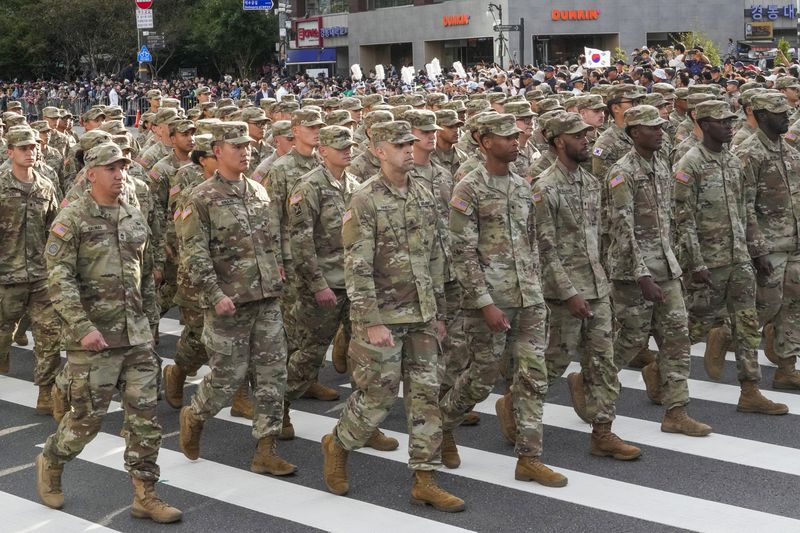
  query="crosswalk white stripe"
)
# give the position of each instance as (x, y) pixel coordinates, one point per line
(24, 516)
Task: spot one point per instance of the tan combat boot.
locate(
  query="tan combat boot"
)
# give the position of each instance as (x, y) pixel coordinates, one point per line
(752, 401)
(450, 457)
(48, 482)
(768, 334)
(341, 344)
(59, 399)
(318, 391)
(287, 429)
(532, 469)
(652, 382)
(677, 420)
(147, 504)
(382, 442)
(191, 429)
(605, 443)
(267, 461)
(334, 465)
(578, 396)
(714, 357)
(472, 419)
(242, 407)
(44, 403)
(505, 415)
(174, 379)
(643, 358)
(426, 491)
(787, 377)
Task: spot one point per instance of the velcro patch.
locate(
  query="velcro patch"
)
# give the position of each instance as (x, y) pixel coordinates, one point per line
(64, 203)
(617, 180)
(186, 213)
(60, 230)
(598, 152)
(459, 203)
(347, 216)
(155, 175)
(176, 214)
(791, 136)
(536, 197)
(295, 199)
(683, 177)
(175, 190)
(53, 248)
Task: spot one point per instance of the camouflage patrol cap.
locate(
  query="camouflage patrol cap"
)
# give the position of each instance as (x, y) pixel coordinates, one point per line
(286, 106)
(90, 139)
(94, 113)
(147, 117)
(122, 141)
(787, 82)
(397, 132)
(307, 117)
(194, 113)
(308, 102)
(681, 93)
(472, 122)
(476, 106)
(202, 90)
(500, 124)
(230, 132)
(13, 119)
(371, 100)
(602, 90)
(153, 94)
(254, 115)
(14, 104)
(65, 113)
(421, 119)
(114, 127)
(698, 88)
(415, 100)
(516, 98)
(202, 143)
(495, 98)
(289, 98)
(225, 111)
(236, 116)
(713, 109)
(51, 112)
(454, 105)
(332, 103)
(772, 102)
(534, 95)
(382, 107)
(545, 88)
(549, 104)
(590, 101)
(351, 104)
(694, 99)
(643, 115)
(22, 136)
(222, 102)
(626, 91)
(665, 89)
(282, 128)
(398, 110)
(164, 115)
(337, 137)
(114, 112)
(106, 153)
(435, 99)
(172, 103)
(265, 103)
(316, 108)
(181, 126)
(746, 96)
(655, 100)
(565, 123)
(204, 125)
(41, 126)
(377, 116)
(396, 99)
(520, 109)
(339, 117)
(244, 103)
(750, 85)
(448, 118)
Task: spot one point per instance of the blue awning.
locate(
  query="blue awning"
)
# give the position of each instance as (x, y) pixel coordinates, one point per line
(311, 55)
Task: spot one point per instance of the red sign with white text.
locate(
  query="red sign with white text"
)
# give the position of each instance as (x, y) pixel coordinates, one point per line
(144, 4)
(308, 33)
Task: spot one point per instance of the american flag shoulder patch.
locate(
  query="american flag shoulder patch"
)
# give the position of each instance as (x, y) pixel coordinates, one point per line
(64, 203)
(176, 214)
(60, 229)
(459, 203)
(186, 213)
(536, 197)
(295, 199)
(347, 216)
(682, 176)
(617, 180)
(175, 190)
(791, 136)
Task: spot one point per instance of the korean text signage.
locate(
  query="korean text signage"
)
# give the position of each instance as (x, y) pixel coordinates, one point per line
(758, 31)
(334, 31)
(575, 14)
(455, 20)
(773, 12)
(308, 33)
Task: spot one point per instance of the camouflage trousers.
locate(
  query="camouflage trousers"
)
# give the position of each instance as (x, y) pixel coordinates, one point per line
(315, 326)
(590, 342)
(251, 342)
(190, 353)
(454, 357)
(288, 301)
(527, 341)
(638, 318)
(377, 373)
(778, 302)
(92, 378)
(168, 287)
(732, 295)
(15, 301)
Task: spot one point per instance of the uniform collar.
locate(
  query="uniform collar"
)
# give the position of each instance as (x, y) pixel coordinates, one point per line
(772, 146)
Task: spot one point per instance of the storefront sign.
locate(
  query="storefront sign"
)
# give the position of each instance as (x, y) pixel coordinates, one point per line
(773, 12)
(308, 33)
(575, 14)
(760, 31)
(455, 20)
(334, 31)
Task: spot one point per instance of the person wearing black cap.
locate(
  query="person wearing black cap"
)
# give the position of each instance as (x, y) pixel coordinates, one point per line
(550, 77)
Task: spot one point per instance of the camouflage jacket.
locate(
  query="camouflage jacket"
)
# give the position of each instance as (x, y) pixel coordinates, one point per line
(474, 161)
(258, 153)
(392, 255)
(261, 171)
(639, 220)
(671, 127)
(59, 141)
(316, 209)
(365, 166)
(185, 179)
(161, 188)
(231, 246)
(25, 219)
(541, 164)
(710, 209)
(449, 160)
(101, 273)
(493, 238)
(439, 183)
(568, 227)
(772, 187)
(683, 130)
(153, 154)
(528, 155)
(609, 148)
(683, 148)
(747, 130)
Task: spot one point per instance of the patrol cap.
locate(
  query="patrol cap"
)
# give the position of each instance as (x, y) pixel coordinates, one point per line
(700, 88)
(265, 103)
(332, 103)
(590, 101)
(448, 118)
(643, 115)
(516, 98)
(415, 100)
(697, 98)
(339, 117)
(565, 123)
(290, 98)
(397, 132)
(90, 139)
(164, 115)
(254, 115)
(307, 117)
(14, 104)
(51, 112)
(787, 82)
(225, 111)
(114, 127)
(316, 108)
(495, 97)
(626, 91)
(534, 95)
(396, 99)
(421, 119)
(94, 113)
(181, 126)
(244, 103)
(13, 119)
(24, 136)
(286, 106)
(222, 102)
(570, 102)
(148, 117)
(308, 102)
(122, 141)
(501, 124)
(202, 143)
(398, 110)
(282, 128)
(206, 105)
(337, 137)
(655, 100)
(194, 113)
(520, 109)
(153, 94)
(204, 125)
(750, 85)
(549, 104)
(114, 112)
(476, 106)
(746, 96)
(371, 100)
(681, 93)
(454, 105)
(382, 107)
(472, 122)
(202, 90)
(435, 99)
(230, 132)
(41, 126)
(104, 154)
(772, 102)
(602, 90)
(172, 103)
(351, 104)
(713, 109)
(376, 116)
(65, 113)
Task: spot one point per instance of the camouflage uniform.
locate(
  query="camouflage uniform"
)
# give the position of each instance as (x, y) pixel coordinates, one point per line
(747, 130)
(546, 161)
(365, 166)
(280, 128)
(450, 161)
(101, 280)
(391, 238)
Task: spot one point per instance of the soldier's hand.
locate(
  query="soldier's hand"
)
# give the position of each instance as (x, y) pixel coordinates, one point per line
(94, 342)
(325, 298)
(650, 290)
(495, 318)
(225, 307)
(158, 277)
(764, 265)
(380, 336)
(440, 329)
(704, 277)
(579, 307)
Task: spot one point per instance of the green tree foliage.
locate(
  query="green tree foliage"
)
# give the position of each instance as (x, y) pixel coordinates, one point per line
(693, 39)
(783, 46)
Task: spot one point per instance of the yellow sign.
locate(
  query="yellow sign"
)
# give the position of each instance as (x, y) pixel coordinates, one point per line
(760, 31)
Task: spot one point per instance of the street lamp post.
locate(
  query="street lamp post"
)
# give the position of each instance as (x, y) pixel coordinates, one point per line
(501, 38)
